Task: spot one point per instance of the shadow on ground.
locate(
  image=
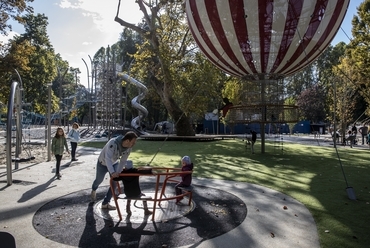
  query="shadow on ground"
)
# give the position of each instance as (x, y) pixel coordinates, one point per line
(71, 220)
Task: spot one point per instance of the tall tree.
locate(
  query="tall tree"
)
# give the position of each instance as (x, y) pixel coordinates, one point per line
(345, 94)
(300, 81)
(358, 51)
(12, 10)
(311, 103)
(168, 61)
(325, 64)
(42, 61)
(14, 55)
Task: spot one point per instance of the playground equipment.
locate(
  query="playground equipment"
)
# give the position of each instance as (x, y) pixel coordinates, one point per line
(135, 102)
(14, 110)
(262, 42)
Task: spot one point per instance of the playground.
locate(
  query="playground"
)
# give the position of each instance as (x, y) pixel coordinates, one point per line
(255, 181)
(296, 190)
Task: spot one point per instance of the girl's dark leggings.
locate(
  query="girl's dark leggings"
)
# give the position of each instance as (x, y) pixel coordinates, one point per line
(58, 158)
(73, 149)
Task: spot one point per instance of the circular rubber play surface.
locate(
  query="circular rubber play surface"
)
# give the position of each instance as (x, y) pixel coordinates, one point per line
(167, 210)
(74, 220)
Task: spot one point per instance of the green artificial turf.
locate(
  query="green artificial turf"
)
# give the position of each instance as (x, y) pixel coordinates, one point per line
(311, 174)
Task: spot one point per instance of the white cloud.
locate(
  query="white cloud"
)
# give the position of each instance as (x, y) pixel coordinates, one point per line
(64, 4)
(103, 12)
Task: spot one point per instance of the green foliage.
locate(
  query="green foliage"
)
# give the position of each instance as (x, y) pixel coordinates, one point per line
(12, 10)
(15, 55)
(168, 62)
(300, 81)
(311, 104)
(233, 90)
(32, 55)
(358, 51)
(345, 95)
(292, 102)
(41, 62)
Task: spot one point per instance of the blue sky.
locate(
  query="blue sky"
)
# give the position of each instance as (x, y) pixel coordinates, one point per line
(78, 28)
(347, 23)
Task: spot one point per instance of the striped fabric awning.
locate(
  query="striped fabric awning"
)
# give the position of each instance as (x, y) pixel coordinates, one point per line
(264, 39)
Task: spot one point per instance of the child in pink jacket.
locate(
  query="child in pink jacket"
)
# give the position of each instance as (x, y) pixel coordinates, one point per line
(187, 165)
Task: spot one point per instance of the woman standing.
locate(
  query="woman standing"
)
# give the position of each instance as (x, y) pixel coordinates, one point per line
(57, 148)
(74, 135)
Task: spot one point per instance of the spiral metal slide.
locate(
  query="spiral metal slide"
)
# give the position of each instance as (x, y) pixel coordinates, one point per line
(135, 102)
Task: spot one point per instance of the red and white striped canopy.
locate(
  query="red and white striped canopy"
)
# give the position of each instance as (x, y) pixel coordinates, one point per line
(264, 39)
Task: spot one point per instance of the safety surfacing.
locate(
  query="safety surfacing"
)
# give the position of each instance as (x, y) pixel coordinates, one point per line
(74, 220)
(167, 210)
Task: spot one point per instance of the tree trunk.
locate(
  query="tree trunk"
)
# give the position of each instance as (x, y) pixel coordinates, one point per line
(182, 122)
(164, 83)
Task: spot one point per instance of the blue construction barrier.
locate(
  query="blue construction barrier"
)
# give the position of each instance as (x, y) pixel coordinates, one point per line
(212, 127)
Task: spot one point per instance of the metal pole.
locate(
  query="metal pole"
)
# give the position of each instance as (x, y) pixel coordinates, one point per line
(95, 96)
(334, 113)
(19, 96)
(88, 88)
(18, 130)
(9, 134)
(109, 84)
(60, 96)
(91, 92)
(49, 122)
(262, 125)
(46, 130)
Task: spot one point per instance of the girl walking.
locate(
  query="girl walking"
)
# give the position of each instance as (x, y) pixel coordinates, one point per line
(74, 136)
(57, 148)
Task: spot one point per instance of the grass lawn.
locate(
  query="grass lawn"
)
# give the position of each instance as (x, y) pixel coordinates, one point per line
(310, 174)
